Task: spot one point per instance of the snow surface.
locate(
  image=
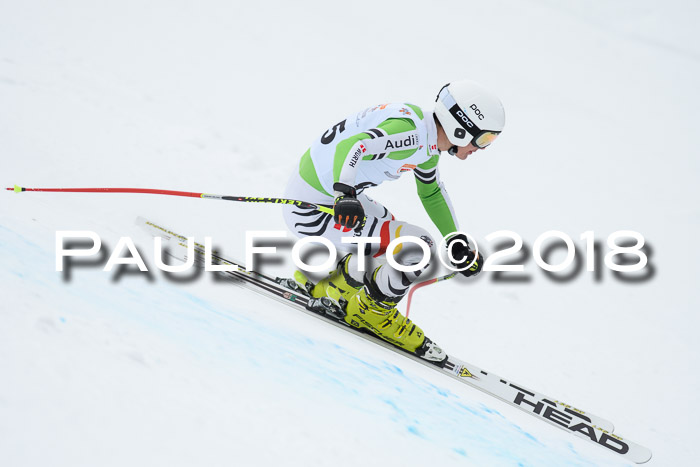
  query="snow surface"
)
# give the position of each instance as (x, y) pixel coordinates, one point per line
(223, 97)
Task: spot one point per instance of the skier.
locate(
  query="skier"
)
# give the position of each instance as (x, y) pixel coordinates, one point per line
(380, 144)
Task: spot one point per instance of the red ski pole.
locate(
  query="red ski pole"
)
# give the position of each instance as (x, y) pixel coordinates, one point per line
(190, 194)
(423, 284)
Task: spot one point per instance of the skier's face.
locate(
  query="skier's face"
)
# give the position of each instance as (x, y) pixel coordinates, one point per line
(464, 151)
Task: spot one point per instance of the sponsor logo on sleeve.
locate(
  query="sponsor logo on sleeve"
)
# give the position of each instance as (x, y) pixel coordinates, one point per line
(356, 156)
(411, 140)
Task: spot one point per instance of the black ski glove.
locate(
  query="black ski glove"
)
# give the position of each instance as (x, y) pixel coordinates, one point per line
(463, 255)
(348, 211)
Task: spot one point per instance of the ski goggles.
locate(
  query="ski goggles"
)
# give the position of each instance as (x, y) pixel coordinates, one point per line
(484, 138)
(480, 138)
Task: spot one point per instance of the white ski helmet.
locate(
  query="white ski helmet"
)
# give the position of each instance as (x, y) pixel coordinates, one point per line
(469, 113)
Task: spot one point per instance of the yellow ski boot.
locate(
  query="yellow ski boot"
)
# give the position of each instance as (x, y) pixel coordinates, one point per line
(330, 295)
(370, 309)
(338, 279)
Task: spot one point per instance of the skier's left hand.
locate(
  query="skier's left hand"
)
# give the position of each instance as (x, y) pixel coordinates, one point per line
(463, 255)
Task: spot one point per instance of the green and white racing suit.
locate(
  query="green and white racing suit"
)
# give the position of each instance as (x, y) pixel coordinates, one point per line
(375, 145)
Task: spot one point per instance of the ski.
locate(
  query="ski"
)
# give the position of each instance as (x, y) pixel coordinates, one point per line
(555, 412)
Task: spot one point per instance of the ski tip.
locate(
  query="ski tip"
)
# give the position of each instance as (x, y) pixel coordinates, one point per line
(16, 189)
(642, 456)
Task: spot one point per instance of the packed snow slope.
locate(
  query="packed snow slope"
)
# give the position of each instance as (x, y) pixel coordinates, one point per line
(127, 368)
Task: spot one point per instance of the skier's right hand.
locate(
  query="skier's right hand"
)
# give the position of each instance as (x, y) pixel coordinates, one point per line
(347, 211)
(463, 255)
